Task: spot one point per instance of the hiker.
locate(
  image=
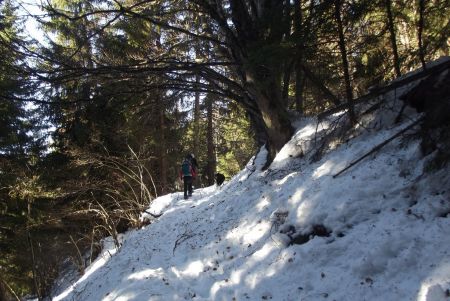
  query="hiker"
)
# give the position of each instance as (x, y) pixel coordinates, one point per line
(187, 173)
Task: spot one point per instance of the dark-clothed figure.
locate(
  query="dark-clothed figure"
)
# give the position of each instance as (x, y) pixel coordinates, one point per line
(187, 173)
(220, 178)
(194, 163)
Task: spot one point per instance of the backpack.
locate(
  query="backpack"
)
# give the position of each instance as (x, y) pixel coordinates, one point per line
(186, 168)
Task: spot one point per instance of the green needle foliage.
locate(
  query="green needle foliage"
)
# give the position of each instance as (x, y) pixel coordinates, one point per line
(129, 87)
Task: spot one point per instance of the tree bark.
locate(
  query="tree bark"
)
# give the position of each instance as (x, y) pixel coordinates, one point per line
(256, 122)
(162, 145)
(276, 121)
(299, 85)
(196, 117)
(286, 82)
(392, 35)
(32, 254)
(211, 150)
(345, 64)
(254, 27)
(288, 64)
(420, 27)
(298, 21)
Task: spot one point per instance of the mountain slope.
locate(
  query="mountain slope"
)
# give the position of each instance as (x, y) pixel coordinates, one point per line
(382, 230)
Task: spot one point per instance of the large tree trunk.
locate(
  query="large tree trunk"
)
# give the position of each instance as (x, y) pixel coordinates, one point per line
(267, 94)
(162, 146)
(33, 255)
(420, 26)
(211, 165)
(298, 21)
(345, 64)
(286, 83)
(255, 25)
(256, 121)
(196, 146)
(196, 117)
(299, 86)
(393, 38)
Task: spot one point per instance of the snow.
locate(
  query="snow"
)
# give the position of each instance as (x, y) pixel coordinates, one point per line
(389, 240)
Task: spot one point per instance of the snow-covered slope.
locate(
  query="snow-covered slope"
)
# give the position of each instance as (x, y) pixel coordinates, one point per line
(388, 221)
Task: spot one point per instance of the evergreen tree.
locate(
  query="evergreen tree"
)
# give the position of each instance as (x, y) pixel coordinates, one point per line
(132, 86)
(19, 156)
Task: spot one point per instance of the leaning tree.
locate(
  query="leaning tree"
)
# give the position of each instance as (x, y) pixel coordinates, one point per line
(235, 49)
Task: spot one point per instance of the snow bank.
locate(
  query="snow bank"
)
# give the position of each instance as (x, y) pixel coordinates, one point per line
(388, 224)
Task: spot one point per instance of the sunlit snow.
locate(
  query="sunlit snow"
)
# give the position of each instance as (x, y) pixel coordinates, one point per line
(389, 240)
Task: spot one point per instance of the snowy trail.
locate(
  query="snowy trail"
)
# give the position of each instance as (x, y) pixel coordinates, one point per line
(389, 235)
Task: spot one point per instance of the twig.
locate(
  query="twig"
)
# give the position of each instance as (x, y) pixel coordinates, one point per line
(379, 146)
(153, 215)
(331, 132)
(92, 246)
(11, 290)
(385, 89)
(181, 239)
(80, 257)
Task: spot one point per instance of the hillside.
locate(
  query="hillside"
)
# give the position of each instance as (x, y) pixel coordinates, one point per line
(379, 231)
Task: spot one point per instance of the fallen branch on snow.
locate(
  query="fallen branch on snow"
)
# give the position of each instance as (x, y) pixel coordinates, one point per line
(379, 146)
(183, 237)
(152, 214)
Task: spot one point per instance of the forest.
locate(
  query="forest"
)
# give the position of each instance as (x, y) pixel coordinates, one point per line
(98, 112)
